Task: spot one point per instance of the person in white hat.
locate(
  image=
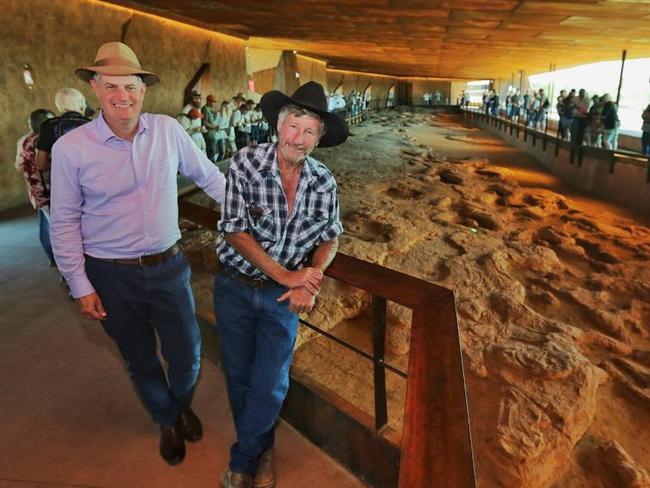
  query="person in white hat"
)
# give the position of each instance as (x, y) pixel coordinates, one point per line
(279, 231)
(115, 237)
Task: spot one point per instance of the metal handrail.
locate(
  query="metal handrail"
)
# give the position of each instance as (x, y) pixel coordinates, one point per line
(576, 150)
(436, 439)
(352, 348)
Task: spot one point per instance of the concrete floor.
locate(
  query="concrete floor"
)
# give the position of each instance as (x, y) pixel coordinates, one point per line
(69, 417)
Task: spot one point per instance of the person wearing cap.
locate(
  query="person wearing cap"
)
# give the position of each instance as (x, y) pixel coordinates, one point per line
(213, 138)
(279, 231)
(194, 102)
(225, 130)
(196, 129)
(115, 237)
(239, 123)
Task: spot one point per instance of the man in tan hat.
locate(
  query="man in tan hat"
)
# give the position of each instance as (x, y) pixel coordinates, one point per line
(279, 231)
(115, 237)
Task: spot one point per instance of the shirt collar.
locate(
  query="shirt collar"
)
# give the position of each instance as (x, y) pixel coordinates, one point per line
(106, 134)
(270, 164)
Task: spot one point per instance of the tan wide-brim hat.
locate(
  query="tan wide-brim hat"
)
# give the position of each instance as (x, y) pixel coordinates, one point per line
(116, 59)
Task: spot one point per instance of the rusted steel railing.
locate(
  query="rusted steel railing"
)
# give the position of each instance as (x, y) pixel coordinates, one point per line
(436, 447)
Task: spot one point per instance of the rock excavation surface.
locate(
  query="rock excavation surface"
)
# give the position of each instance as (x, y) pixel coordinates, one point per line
(552, 291)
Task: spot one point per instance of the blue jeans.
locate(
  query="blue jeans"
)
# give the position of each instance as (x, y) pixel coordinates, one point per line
(257, 338)
(44, 234)
(140, 302)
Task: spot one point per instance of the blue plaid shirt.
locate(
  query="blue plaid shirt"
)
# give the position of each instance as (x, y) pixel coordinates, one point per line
(255, 203)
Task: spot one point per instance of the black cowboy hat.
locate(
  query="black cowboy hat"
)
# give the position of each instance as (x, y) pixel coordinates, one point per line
(309, 96)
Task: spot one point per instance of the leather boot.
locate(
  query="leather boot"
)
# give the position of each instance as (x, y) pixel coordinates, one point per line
(172, 446)
(191, 426)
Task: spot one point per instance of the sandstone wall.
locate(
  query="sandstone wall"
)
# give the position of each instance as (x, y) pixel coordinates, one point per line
(258, 59)
(311, 69)
(264, 80)
(57, 36)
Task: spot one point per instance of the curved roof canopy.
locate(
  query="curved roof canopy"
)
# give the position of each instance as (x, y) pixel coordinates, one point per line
(433, 38)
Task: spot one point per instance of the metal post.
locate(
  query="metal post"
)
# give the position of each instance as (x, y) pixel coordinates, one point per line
(378, 341)
(620, 79)
(534, 134)
(545, 132)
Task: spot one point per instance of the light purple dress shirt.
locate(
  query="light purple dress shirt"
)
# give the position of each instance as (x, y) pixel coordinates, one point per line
(113, 198)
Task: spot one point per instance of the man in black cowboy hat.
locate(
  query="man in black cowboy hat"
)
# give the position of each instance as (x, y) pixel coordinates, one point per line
(279, 232)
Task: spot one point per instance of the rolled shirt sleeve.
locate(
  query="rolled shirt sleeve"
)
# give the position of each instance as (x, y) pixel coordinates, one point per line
(196, 166)
(233, 211)
(334, 226)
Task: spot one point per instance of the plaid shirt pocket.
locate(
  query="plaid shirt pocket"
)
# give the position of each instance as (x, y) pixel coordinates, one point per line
(310, 228)
(262, 226)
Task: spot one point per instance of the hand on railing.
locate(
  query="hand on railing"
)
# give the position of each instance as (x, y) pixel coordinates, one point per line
(309, 278)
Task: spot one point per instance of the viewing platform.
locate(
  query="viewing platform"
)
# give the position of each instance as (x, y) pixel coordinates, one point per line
(70, 416)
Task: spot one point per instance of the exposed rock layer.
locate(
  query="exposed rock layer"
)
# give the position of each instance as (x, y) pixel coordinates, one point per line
(553, 295)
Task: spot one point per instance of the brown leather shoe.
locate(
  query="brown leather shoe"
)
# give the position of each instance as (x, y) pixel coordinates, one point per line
(191, 426)
(172, 446)
(236, 480)
(265, 477)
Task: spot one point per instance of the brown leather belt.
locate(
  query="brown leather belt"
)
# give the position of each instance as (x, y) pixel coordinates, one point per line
(247, 280)
(148, 260)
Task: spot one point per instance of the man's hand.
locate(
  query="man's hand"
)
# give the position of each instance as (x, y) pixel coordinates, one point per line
(300, 300)
(310, 278)
(91, 307)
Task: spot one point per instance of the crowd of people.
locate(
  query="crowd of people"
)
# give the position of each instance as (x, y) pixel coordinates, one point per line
(350, 106)
(531, 109)
(592, 121)
(220, 130)
(429, 98)
(114, 237)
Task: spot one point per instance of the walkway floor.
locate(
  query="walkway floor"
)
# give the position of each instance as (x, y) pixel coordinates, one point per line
(69, 415)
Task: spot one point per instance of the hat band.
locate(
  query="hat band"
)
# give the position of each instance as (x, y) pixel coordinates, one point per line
(116, 61)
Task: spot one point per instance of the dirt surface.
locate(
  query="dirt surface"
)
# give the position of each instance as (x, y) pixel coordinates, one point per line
(552, 287)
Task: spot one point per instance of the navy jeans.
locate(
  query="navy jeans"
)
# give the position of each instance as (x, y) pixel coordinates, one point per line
(140, 302)
(257, 338)
(44, 234)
